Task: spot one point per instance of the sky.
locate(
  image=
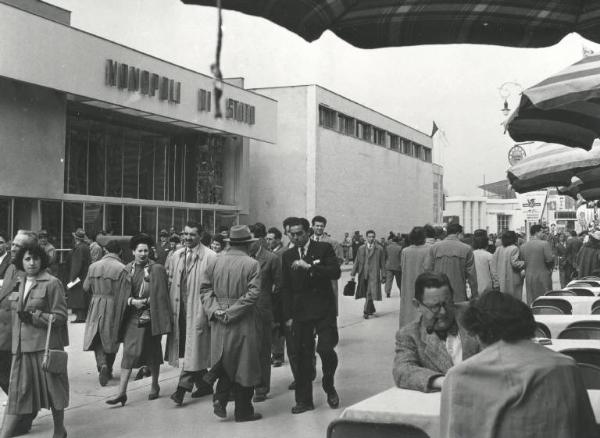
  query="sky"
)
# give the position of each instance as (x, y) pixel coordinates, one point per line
(455, 85)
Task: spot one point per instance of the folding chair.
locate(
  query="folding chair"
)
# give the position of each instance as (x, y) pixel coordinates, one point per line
(584, 323)
(590, 356)
(541, 331)
(561, 293)
(580, 333)
(546, 310)
(582, 291)
(590, 374)
(563, 305)
(354, 429)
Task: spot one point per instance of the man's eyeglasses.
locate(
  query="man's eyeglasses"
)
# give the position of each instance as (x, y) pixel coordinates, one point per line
(436, 308)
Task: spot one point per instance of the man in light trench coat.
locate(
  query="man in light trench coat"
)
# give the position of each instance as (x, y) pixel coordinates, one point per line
(190, 337)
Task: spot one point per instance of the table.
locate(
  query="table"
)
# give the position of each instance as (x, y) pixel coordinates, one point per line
(557, 323)
(581, 305)
(568, 344)
(403, 406)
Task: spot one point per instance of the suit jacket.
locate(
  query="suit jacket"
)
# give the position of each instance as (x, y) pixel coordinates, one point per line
(5, 264)
(393, 261)
(573, 246)
(307, 294)
(370, 268)
(270, 282)
(518, 389)
(421, 357)
(10, 284)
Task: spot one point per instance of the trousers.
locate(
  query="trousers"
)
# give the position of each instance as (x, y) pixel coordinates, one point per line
(265, 358)
(242, 395)
(187, 380)
(303, 336)
(389, 280)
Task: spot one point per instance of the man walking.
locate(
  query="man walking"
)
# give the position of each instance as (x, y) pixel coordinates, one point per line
(309, 310)
(278, 335)
(231, 292)
(190, 336)
(539, 263)
(456, 260)
(370, 267)
(109, 285)
(393, 262)
(319, 223)
(80, 261)
(574, 244)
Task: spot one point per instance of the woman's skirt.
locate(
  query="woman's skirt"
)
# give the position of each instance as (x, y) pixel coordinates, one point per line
(31, 388)
(140, 348)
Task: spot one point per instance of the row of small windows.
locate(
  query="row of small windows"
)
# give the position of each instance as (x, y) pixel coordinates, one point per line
(331, 119)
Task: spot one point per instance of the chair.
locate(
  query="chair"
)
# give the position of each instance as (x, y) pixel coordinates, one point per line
(563, 305)
(546, 310)
(584, 283)
(580, 333)
(596, 310)
(541, 331)
(582, 292)
(590, 375)
(354, 429)
(584, 355)
(561, 293)
(584, 323)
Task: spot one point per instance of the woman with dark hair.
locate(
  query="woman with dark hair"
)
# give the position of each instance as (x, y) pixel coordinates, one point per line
(513, 387)
(508, 267)
(218, 244)
(147, 317)
(486, 271)
(39, 301)
(412, 263)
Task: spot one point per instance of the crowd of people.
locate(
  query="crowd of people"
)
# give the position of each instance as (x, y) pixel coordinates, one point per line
(231, 304)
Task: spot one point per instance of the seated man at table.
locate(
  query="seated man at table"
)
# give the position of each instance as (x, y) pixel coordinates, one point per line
(427, 348)
(514, 387)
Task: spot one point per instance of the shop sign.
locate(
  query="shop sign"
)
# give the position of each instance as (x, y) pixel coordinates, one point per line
(532, 204)
(239, 111)
(130, 78)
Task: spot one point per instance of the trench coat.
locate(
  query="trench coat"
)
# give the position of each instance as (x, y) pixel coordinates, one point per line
(539, 260)
(369, 267)
(12, 278)
(197, 336)
(508, 268)
(160, 307)
(412, 262)
(79, 263)
(232, 284)
(109, 285)
(588, 259)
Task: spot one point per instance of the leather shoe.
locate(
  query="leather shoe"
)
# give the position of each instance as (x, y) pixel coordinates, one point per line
(292, 386)
(219, 409)
(178, 395)
(302, 407)
(202, 391)
(259, 398)
(255, 416)
(103, 376)
(333, 400)
(277, 363)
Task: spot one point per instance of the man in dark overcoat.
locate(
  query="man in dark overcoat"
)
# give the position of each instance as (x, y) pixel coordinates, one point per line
(80, 260)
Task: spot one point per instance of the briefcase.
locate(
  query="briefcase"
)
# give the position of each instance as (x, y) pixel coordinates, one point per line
(350, 288)
(54, 361)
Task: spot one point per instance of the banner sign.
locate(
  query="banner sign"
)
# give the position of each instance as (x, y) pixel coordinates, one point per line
(532, 204)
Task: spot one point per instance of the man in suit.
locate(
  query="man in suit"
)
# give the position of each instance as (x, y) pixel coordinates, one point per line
(309, 310)
(80, 261)
(5, 258)
(319, 223)
(426, 349)
(370, 267)
(393, 265)
(539, 263)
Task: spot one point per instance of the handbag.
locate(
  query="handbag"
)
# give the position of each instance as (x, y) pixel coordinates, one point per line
(54, 361)
(350, 288)
(144, 317)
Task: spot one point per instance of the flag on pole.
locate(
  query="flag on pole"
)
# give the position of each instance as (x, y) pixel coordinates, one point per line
(434, 129)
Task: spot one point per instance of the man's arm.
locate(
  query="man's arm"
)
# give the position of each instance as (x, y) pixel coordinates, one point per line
(408, 371)
(328, 266)
(470, 272)
(548, 255)
(286, 291)
(356, 263)
(249, 299)
(76, 263)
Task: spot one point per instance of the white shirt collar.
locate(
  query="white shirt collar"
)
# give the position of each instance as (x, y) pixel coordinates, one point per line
(3, 256)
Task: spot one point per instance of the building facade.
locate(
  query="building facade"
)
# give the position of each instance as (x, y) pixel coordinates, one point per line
(98, 135)
(334, 157)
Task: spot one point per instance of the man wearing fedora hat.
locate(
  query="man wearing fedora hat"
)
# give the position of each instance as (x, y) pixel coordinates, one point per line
(231, 289)
(79, 263)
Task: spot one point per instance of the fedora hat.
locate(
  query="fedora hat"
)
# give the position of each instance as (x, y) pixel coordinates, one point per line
(79, 233)
(240, 234)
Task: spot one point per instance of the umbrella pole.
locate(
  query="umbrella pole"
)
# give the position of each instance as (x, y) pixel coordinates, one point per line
(216, 67)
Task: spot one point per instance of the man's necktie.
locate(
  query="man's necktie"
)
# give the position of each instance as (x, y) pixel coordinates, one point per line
(301, 253)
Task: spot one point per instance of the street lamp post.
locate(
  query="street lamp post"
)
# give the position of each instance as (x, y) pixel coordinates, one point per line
(505, 92)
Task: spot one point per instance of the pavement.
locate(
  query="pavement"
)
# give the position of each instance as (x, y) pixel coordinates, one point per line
(366, 352)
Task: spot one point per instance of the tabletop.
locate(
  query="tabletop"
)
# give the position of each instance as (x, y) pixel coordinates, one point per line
(403, 406)
(557, 323)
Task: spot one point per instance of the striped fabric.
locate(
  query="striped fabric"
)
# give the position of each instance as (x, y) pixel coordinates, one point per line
(554, 167)
(384, 23)
(565, 108)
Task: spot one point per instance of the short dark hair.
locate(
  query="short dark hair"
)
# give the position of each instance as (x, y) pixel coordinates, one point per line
(416, 236)
(287, 221)
(496, 315)
(429, 231)
(480, 241)
(260, 230)
(139, 239)
(509, 238)
(113, 247)
(275, 231)
(370, 232)
(429, 280)
(196, 225)
(319, 219)
(36, 251)
(205, 238)
(573, 233)
(480, 232)
(454, 228)
(535, 228)
(174, 238)
(299, 221)
(220, 239)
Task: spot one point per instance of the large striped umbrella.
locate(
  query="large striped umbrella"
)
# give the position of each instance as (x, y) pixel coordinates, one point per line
(565, 108)
(385, 23)
(554, 167)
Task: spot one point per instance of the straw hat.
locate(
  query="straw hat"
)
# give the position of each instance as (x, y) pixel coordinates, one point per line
(240, 234)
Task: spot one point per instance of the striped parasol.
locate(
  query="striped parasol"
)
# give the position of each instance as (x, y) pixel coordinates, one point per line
(565, 108)
(385, 23)
(554, 167)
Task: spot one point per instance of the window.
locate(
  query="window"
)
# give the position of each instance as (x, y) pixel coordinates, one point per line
(394, 142)
(131, 220)
(364, 131)
(93, 218)
(77, 163)
(165, 218)
(96, 164)
(427, 153)
(114, 219)
(149, 221)
(346, 124)
(416, 150)
(326, 117)
(72, 219)
(5, 215)
(406, 147)
(503, 222)
(379, 136)
(208, 221)
(179, 218)
(51, 214)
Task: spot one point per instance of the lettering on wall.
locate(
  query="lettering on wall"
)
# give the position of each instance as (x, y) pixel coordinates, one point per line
(242, 112)
(130, 78)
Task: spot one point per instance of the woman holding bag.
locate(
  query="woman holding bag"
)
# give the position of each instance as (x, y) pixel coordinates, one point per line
(147, 317)
(39, 315)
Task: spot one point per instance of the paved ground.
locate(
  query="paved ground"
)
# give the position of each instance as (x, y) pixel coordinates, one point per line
(366, 352)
